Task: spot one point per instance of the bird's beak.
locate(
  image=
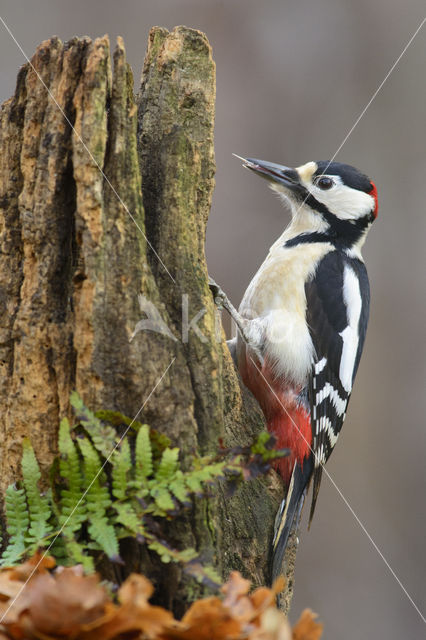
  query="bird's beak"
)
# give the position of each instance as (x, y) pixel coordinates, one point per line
(285, 176)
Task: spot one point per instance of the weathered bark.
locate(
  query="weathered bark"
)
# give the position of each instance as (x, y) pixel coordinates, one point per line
(103, 198)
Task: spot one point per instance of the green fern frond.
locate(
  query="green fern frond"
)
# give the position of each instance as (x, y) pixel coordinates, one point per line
(94, 476)
(129, 519)
(39, 508)
(211, 472)
(143, 456)
(98, 500)
(103, 436)
(163, 500)
(161, 550)
(59, 551)
(76, 554)
(17, 525)
(72, 507)
(264, 447)
(168, 465)
(192, 481)
(204, 474)
(167, 553)
(104, 535)
(121, 491)
(159, 441)
(178, 487)
(121, 466)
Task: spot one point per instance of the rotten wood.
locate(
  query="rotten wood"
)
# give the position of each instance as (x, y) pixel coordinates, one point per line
(104, 197)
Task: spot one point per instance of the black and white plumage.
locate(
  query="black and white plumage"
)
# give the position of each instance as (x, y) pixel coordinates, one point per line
(337, 310)
(303, 321)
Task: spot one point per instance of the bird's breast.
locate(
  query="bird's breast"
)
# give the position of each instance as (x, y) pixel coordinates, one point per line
(275, 302)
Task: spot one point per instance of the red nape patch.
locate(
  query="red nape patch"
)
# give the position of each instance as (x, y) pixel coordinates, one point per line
(292, 431)
(373, 193)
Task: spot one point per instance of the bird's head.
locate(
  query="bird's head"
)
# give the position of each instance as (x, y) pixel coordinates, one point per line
(344, 198)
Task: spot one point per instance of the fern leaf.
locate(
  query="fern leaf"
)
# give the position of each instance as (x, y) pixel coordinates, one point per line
(264, 447)
(159, 441)
(98, 501)
(76, 555)
(17, 525)
(72, 508)
(193, 483)
(211, 472)
(104, 535)
(163, 500)
(103, 436)
(97, 496)
(168, 553)
(121, 465)
(197, 478)
(168, 465)
(38, 505)
(129, 519)
(178, 487)
(161, 550)
(143, 456)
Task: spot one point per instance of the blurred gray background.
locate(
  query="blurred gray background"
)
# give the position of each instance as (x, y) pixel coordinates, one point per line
(292, 78)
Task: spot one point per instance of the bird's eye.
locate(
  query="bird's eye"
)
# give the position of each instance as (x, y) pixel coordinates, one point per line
(324, 182)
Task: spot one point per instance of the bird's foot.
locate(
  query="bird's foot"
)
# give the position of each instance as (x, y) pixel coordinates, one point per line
(223, 302)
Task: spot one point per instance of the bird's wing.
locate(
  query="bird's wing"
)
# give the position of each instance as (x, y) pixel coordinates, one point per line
(338, 300)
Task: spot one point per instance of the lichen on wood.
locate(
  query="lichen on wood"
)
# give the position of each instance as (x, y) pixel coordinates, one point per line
(105, 197)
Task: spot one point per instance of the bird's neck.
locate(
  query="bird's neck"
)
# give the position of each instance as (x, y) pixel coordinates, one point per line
(303, 220)
(309, 226)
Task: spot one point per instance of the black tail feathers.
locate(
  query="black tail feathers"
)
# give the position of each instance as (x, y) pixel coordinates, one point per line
(288, 516)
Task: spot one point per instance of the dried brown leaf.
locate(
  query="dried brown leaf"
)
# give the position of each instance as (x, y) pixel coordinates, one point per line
(38, 563)
(13, 593)
(13, 602)
(206, 619)
(68, 605)
(236, 587)
(135, 614)
(263, 597)
(273, 625)
(238, 616)
(307, 628)
(60, 605)
(9, 587)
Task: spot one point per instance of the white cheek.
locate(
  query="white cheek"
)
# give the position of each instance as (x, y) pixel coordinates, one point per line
(344, 202)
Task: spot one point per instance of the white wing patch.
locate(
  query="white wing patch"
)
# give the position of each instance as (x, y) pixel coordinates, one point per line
(320, 365)
(329, 392)
(326, 426)
(350, 335)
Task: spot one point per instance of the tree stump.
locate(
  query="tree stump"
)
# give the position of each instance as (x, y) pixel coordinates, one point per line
(105, 197)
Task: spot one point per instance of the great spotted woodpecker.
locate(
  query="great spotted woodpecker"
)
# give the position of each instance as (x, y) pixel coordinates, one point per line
(302, 322)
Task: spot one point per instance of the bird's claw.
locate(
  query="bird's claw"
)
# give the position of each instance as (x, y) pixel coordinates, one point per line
(222, 302)
(218, 295)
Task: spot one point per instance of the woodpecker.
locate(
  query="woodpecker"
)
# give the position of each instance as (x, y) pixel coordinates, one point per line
(302, 322)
